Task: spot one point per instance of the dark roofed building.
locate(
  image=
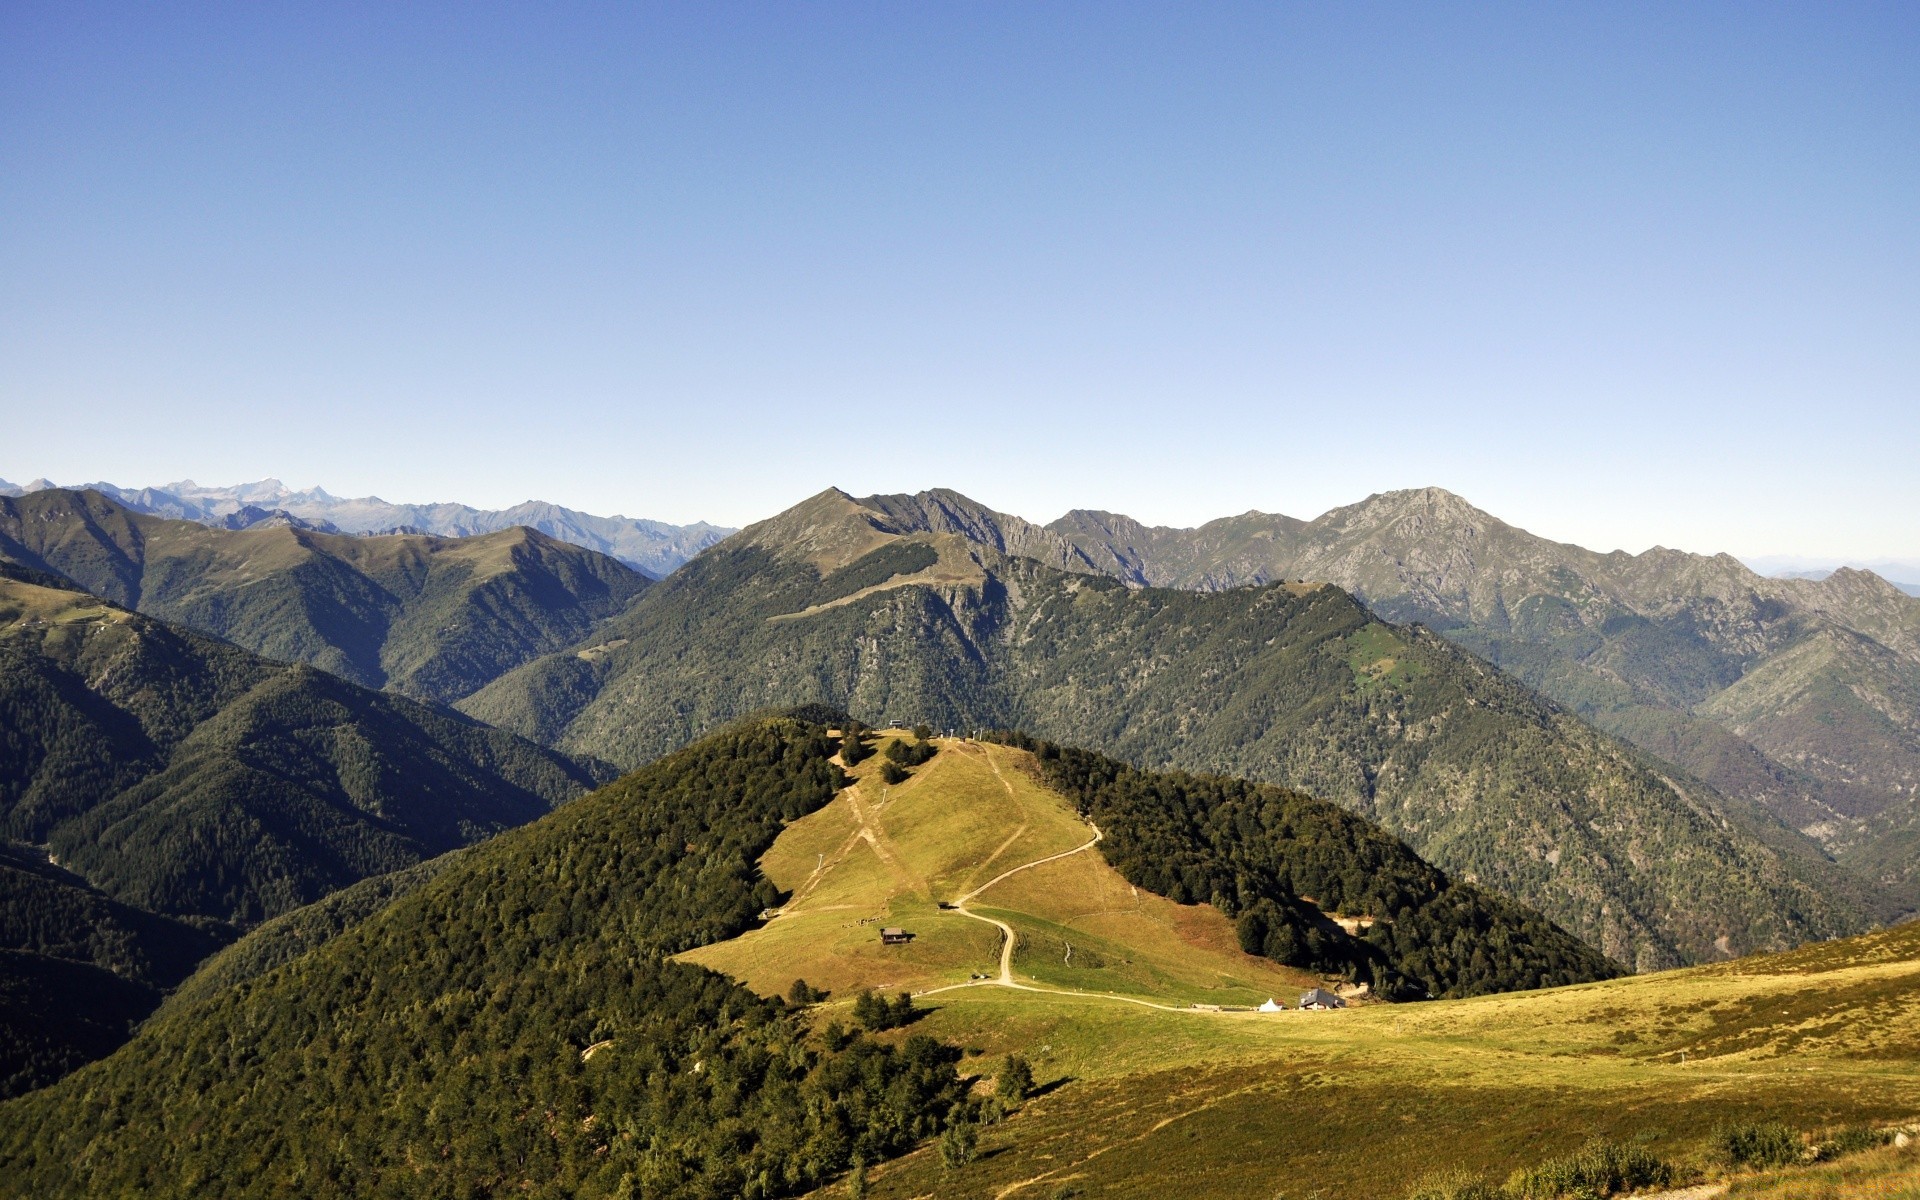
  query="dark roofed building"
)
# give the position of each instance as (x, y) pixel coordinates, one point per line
(1320, 998)
(892, 936)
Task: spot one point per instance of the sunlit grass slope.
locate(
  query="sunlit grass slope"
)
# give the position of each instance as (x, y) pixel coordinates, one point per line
(1372, 1101)
(881, 856)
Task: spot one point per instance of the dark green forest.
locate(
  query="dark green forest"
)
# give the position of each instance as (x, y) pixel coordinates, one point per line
(515, 1026)
(1278, 862)
(190, 777)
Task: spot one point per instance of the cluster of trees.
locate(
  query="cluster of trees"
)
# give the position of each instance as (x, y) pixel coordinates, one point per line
(1278, 862)
(901, 755)
(876, 1012)
(516, 1025)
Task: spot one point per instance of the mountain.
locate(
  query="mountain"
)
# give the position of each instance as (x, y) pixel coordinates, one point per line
(535, 1019)
(528, 1017)
(653, 548)
(859, 604)
(1168, 888)
(159, 790)
(430, 617)
(189, 777)
(1796, 694)
(78, 969)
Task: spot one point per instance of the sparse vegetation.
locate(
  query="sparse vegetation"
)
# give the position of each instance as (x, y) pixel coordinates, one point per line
(1762, 1145)
(1598, 1169)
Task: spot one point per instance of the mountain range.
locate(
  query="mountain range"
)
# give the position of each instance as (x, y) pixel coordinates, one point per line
(931, 608)
(1800, 695)
(527, 1016)
(431, 617)
(1402, 747)
(653, 548)
(160, 790)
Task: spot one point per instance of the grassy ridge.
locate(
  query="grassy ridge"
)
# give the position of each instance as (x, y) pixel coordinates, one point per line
(1379, 1100)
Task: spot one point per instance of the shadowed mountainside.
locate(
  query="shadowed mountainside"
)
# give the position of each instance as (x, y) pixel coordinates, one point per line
(1802, 695)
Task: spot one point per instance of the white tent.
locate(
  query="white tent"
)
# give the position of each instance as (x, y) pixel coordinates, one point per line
(1273, 1005)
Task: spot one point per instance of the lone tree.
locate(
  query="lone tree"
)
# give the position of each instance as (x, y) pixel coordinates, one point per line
(959, 1145)
(1016, 1080)
(852, 749)
(800, 994)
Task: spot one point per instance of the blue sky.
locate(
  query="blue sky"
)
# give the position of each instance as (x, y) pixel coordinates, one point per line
(1623, 274)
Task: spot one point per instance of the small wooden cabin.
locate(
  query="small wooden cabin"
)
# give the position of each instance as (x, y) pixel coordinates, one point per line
(893, 936)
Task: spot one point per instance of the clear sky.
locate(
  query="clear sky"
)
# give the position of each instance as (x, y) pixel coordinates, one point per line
(1622, 274)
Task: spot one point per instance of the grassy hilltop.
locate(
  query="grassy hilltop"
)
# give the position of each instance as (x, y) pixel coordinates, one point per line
(1376, 1100)
(1141, 1087)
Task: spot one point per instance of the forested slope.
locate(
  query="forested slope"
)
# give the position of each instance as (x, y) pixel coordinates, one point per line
(1280, 863)
(434, 618)
(513, 1026)
(186, 776)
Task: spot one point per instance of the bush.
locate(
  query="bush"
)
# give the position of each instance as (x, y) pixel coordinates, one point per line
(1455, 1186)
(892, 772)
(1016, 1080)
(1851, 1140)
(910, 754)
(852, 749)
(801, 994)
(1600, 1168)
(1763, 1145)
(959, 1145)
(923, 731)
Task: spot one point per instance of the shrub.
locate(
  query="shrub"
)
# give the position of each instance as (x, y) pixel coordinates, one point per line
(910, 754)
(1762, 1145)
(959, 1145)
(1599, 1168)
(922, 731)
(801, 994)
(852, 749)
(1851, 1140)
(877, 1013)
(1456, 1185)
(892, 772)
(1016, 1080)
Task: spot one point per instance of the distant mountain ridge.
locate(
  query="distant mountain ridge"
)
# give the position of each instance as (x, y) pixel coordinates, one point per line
(433, 617)
(653, 547)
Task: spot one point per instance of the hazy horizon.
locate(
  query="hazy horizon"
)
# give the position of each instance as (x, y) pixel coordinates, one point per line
(1621, 276)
